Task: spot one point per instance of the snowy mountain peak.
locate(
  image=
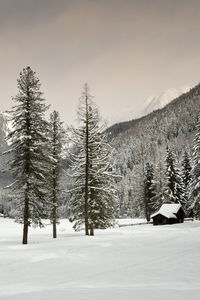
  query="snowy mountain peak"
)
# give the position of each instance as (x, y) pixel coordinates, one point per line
(5, 123)
(150, 104)
(155, 102)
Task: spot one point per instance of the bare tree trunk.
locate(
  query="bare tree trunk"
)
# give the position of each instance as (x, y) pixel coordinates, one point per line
(27, 171)
(26, 221)
(25, 233)
(54, 229)
(91, 229)
(86, 169)
(54, 210)
(147, 210)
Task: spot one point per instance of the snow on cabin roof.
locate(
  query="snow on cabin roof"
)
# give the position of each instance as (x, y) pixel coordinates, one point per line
(168, 210)
(165, 214)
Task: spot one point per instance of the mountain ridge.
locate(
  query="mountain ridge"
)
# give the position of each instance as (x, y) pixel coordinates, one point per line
(157, 102)
(144, 140)
(120, 127)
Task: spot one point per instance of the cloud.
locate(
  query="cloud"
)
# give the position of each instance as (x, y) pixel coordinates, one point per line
(125, 49)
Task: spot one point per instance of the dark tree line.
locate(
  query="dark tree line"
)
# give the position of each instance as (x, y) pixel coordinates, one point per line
(174, 184)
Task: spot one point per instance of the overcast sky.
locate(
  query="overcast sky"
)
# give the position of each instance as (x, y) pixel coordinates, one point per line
(126, 50)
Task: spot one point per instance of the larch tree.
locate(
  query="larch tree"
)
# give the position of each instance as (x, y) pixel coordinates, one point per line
(102, 200)
(27, 147)
(93, 200)
(195, 180)
(56, 141)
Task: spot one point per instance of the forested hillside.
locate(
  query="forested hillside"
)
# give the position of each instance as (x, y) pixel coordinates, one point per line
(136, 144)
(144, 140)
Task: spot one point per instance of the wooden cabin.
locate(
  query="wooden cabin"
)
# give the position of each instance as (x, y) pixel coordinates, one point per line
(169, 214)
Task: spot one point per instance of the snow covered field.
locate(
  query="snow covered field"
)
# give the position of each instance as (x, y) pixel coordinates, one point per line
(136, 262)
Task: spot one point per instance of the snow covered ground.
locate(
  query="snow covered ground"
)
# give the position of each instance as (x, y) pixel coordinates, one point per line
(136, 262)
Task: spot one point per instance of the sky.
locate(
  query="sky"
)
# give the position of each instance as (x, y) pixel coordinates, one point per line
(126, 50)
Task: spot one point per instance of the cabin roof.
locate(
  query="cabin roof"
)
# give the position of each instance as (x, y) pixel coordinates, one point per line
(168, 210)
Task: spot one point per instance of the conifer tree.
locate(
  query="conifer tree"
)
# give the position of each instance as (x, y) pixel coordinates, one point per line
(93, 202)
(186, 178)
(102, 199)
(158, 186)
(174, 188)
(139, 181)
(148, 192)
(195, 181)
(29, 164)
(56, 140)
(138, 201)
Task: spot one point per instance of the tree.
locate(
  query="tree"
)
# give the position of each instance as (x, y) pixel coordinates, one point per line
(174, 188)
(29, 164)
(158, 186)
(186, 178)
(56, 140)
(139, 182)
(102, 200)
(148, 189)
(194, 194)
(93, 201)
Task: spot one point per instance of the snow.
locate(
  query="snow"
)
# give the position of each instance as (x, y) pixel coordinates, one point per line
(128, 221)
(168, 210)
(159, 101)
(171, 207)
(135, 262)
(151, 103)
(7, 124)
(165, 214)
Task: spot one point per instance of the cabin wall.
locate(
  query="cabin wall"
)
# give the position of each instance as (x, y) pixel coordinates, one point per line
(160, 220)
(180, 216)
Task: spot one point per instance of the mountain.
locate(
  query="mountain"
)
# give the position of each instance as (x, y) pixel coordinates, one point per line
(150, 104)
(156, 102)
(3, 129)
(136, 143)
(190, 99)
(145, 140)
(4, 175)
